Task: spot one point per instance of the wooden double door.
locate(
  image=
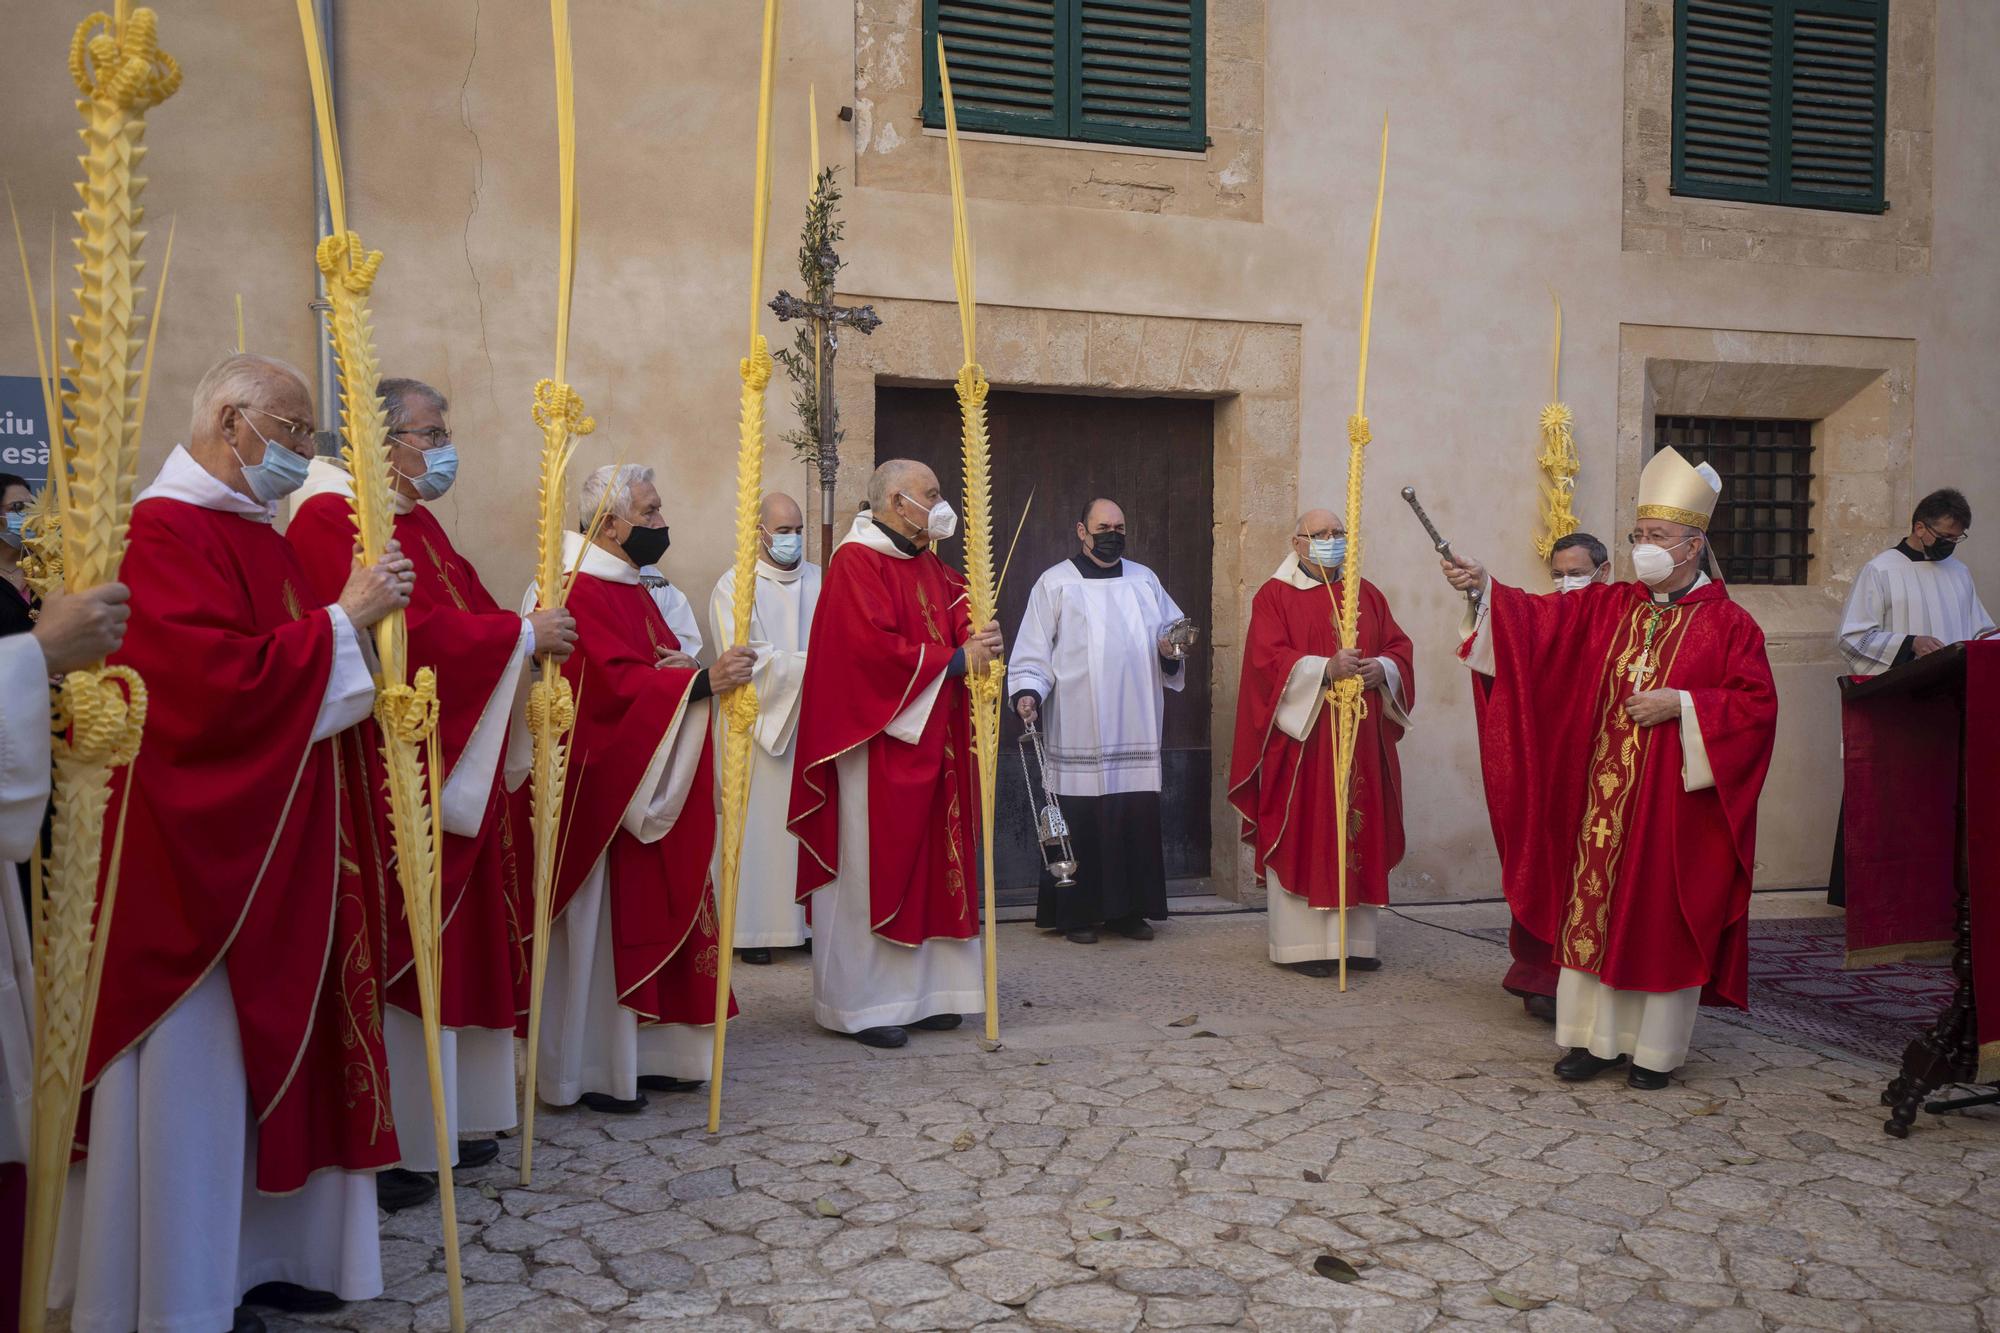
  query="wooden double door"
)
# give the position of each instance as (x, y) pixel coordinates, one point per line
(1155, 457)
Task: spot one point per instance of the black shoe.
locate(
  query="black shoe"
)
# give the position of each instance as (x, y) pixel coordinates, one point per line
(887, 1038)
(662, 1083)
(1540, 1006)
(939, 1022)
(1132, 928)
(606, 1104)
(477, 1152)
(1363, 964)
(808, 945)
(397, 1189)
(1644, 1079)
(756, 957)
(1318, 967)
(291, 1298)
(1580, 1066)
(1081, 935)
(246, 1322)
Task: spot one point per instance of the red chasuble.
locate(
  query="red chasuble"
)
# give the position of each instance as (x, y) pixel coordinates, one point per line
(230, 817)
(1284, 789)
(885, 629)
(460, 632)
(664, 928)
(1610, 865)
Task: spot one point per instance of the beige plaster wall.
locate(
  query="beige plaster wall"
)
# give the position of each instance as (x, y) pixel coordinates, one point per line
(1507, 156)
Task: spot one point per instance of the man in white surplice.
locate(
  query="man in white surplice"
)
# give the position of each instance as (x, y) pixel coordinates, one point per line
(768, 913)
(1092, 659)
(71, 632)
(1908, 602)
(630, 991)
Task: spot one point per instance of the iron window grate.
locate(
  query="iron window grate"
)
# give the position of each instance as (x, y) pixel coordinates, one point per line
(1761, 531)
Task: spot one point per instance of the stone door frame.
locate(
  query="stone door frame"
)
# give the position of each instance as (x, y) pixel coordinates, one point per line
(1250, 370)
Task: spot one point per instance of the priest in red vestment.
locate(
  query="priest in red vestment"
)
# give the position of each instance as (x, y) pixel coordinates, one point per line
(883, 788)
(1625, 731)
(1281, 771)
(629, 1001)
(238, 1086)
(481, 653)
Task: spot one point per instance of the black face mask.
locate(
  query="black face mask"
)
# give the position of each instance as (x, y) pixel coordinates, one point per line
(1107, 546)
(645, 546)
(1939, 549)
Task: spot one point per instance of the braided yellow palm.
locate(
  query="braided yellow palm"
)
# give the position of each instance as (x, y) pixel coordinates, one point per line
(406, 708)
(982, 595)
(1558, 459)
(1346, 696)
(100, 712)
(739, 706)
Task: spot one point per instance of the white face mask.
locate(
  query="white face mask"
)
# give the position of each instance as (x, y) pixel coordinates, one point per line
(941, 521)
(1573, 582)
(1654, 564)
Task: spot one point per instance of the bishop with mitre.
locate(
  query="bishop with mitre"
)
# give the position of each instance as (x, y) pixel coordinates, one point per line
(883, 788)
(629, 999)
(1625, 730)
(1281, 772)
(238, 1096)
(768, 913)
(480, 653)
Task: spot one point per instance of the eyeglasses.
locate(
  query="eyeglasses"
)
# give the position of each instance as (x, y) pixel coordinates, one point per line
(298, 430)
(434, 438)
(1948, 541)
(1658, 538)
(1324, 534)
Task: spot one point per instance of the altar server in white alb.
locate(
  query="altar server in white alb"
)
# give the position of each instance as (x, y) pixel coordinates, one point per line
(1908, 602)
(1914, 598)
(768, 913)
(1092, 665)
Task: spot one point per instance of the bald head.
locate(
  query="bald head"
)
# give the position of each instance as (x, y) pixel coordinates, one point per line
(901, 493)
(781, 528)
(1316, 525)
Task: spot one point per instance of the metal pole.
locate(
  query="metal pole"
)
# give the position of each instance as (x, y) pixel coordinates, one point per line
(327, 397)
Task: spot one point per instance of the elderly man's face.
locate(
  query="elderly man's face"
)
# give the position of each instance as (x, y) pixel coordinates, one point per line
(1316, 525)
(423, 430)
(282, 414)
(646, 510)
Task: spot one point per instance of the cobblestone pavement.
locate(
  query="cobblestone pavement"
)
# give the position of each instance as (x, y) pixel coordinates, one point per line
(1178, 1134)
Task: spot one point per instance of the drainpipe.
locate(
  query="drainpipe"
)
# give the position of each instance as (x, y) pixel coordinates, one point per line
(326, 398)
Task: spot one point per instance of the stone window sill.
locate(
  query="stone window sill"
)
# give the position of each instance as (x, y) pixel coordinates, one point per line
(1135, 150)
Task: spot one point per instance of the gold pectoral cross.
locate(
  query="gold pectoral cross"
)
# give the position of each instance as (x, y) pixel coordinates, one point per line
(1641, 667)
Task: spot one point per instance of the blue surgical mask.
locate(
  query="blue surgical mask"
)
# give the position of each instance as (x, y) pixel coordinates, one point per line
(440, 470)
(1327, 552)
(787, 547)
(15, 517)
(278, 475)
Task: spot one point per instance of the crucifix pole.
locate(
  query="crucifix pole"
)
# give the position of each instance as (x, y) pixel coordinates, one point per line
(825, 318)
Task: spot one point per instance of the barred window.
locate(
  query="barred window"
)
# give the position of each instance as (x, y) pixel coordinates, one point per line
(1762, 528)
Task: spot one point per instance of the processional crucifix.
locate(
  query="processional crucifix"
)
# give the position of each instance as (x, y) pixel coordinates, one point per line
(819, 414)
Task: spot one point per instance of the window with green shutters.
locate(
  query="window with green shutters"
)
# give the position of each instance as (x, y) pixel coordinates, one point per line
(1102, 71)
(1781, 101)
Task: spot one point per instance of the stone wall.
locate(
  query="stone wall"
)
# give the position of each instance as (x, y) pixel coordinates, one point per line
(894, 151)
(1657, 221)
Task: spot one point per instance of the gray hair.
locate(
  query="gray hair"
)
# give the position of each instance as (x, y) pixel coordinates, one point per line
(240, 380)
(618, 479)
(887, 480)
(396, 394)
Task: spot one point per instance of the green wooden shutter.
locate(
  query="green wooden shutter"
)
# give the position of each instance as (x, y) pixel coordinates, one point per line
(1105, 71)
(1781, 101)
(1010, 66)
(1839, 98)
(1139, 73)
